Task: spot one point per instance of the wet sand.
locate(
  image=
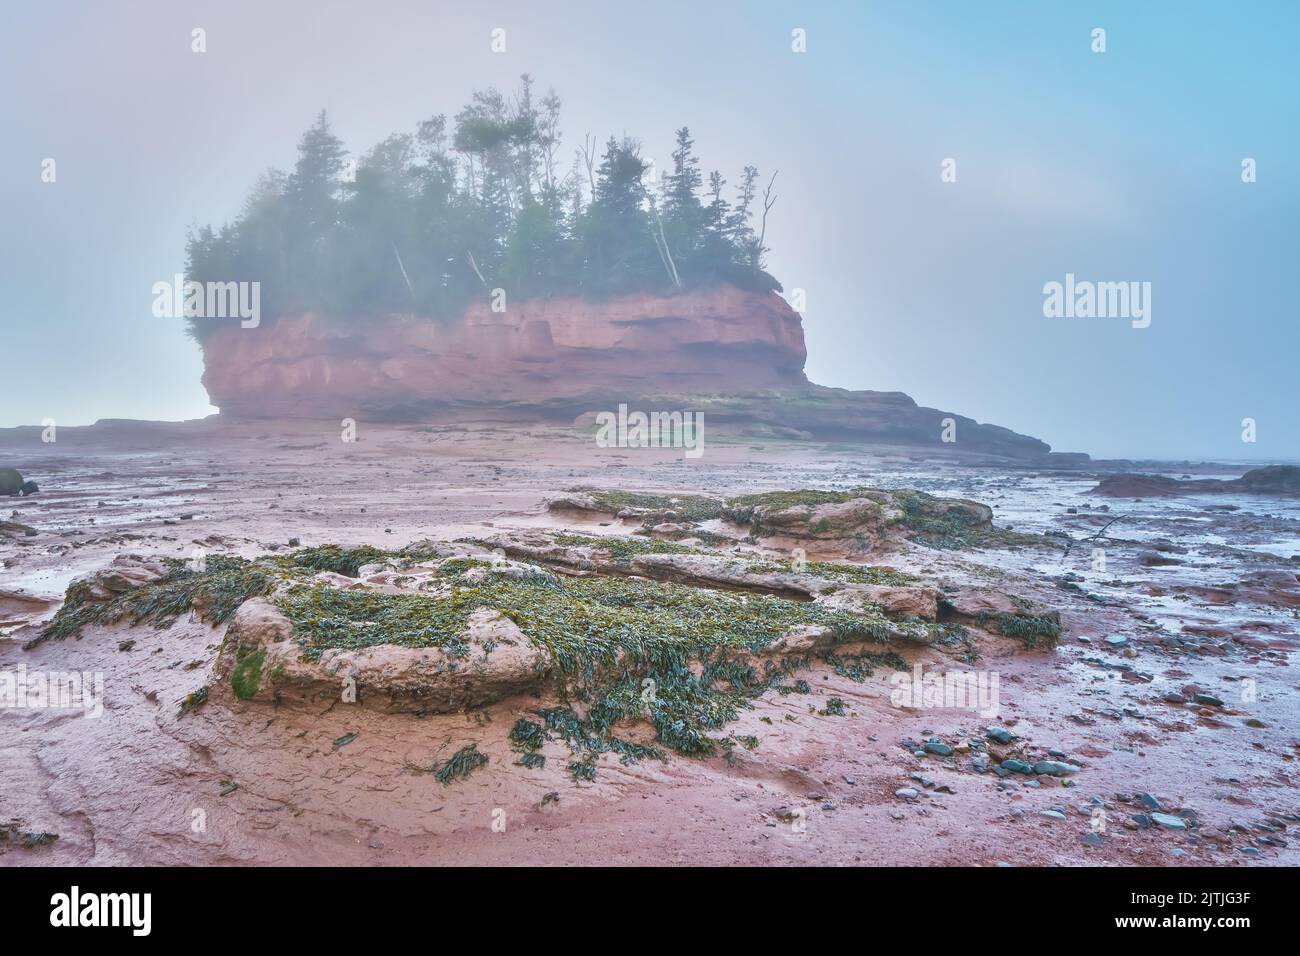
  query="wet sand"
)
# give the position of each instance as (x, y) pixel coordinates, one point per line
(273, 785)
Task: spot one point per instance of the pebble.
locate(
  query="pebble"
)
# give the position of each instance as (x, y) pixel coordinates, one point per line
(1148, 801)
(1117, 641)
(1054, 768)
(939, 748)
(1169, 821)
(1093, 839)
(1052, 814)
(1016, 766)
(1000, 735)
(907, 793)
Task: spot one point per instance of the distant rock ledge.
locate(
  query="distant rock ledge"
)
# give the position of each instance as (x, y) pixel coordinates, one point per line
(1279, 480)
(736, 355)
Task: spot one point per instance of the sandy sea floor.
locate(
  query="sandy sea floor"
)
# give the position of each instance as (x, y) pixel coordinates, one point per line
(273, 785)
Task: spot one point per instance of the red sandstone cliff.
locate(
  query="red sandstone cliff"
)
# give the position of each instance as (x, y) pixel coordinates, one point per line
(735, 354)
(545, 352)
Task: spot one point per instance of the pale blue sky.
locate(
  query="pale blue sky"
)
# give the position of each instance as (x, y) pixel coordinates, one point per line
(1116, 166)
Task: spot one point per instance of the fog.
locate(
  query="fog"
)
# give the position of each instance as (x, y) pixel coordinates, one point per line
(1122, 166)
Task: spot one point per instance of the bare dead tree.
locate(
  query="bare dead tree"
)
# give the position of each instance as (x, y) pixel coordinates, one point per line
(665, 254)
(1092, 537)
(588, 153)
(469, 257)
(769, 200)
(405, 278)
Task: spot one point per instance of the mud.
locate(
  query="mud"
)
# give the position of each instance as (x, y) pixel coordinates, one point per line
(1173, 680)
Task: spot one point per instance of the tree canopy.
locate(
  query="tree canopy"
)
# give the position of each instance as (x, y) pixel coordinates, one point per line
(426, 222)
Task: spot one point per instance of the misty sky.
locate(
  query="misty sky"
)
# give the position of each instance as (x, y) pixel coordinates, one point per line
(1118, 166)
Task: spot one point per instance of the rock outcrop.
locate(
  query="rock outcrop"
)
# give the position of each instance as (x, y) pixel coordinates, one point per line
(735, 355)
(1281, 480)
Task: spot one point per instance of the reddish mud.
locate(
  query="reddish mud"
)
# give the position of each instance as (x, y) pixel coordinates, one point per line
(246, 783)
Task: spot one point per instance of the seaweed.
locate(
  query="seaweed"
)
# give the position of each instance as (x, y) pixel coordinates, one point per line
(246, 676)
(331, 557)
(858, 667)
(216, 592)
(685, 507)
(460, 765)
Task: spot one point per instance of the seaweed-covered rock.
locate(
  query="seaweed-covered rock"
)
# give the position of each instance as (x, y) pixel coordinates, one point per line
(862, 517)
(814, 515)
(262, 659)
(1028, 621)
(11, 483)
(127, 572)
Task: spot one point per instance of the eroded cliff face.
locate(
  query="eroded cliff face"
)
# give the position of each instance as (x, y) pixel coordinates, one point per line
(552, 353)
(736, 355)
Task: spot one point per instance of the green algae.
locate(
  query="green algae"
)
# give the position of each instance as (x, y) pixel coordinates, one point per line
(246, 676)
(685, 507)
(621, 550)
(460, 765)
(1032, 632)
(858, 667)
(805, 498)
(837, 571)
(217, 591)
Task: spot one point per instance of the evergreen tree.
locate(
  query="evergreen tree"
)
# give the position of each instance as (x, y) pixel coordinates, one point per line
(435, 219)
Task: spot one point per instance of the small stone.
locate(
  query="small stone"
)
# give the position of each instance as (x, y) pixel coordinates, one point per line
(1016, 766)
(1055, 768)
(1000, 735)
(1148, 801)
(1169, 821)
(936, 747)
(1093, 839)
(1052, 814)
(1209, 700)
(294, 542)
(1117, 640)
(907, 793)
